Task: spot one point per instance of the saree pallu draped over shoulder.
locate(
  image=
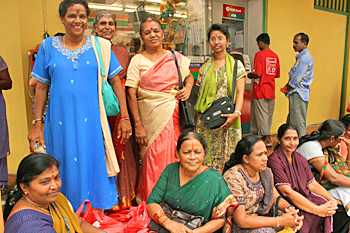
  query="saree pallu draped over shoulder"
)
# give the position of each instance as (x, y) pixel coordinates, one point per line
(64, 219)
(298, 175)
(205, 195)
(159, 113)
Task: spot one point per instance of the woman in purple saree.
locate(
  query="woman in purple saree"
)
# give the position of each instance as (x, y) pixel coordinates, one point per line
(295, 181)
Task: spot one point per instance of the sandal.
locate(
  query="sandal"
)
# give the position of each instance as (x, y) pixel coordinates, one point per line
(3, 189)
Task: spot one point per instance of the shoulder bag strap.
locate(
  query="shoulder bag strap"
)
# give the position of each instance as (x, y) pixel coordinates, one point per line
(98, 48)
(276, 206)
(178, 70)
(234, 81)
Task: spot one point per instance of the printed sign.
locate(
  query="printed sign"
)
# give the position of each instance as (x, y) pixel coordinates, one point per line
(235, 12)
(271, 65)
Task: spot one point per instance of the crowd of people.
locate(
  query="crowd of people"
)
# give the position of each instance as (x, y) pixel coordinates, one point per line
(140, 155)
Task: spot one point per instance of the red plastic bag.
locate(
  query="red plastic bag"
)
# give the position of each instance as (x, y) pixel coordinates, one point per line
(95, 218)
(139, 221)
(90, 216)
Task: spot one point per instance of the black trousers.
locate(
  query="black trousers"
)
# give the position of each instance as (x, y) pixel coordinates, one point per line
(341, 221)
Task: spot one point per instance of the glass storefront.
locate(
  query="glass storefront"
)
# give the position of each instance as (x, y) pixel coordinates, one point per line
(184, 22)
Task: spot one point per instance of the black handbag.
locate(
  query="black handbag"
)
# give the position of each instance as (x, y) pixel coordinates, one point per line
(186, 111)
(212, 117)
(190, 221)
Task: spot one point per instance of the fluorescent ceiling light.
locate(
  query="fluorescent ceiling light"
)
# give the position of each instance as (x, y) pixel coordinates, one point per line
(157, 1)
(129, 10)
(113, 8)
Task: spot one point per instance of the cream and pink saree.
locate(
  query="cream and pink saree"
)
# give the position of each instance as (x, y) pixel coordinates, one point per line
(159, 112)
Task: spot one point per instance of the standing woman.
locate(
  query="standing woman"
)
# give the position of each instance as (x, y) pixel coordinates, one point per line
(215, 81)
(153, 99)
(5, 84)
(105, 27)
(73, 124)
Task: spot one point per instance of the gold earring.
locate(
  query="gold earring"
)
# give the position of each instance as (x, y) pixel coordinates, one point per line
(25, 193)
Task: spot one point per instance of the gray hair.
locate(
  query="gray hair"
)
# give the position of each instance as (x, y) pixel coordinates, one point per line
(98, 17)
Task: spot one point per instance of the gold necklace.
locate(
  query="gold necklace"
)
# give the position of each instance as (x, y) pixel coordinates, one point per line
(246, 171)
(148, 57)
(64, 41)
(182, 171)
(38, 207)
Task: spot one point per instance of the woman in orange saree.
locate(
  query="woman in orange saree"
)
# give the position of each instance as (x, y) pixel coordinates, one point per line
(153, 100)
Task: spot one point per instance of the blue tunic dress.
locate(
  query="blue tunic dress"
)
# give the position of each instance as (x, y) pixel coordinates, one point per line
(73, 132)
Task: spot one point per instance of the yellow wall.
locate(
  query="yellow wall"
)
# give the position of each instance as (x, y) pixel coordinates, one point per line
(22, 28)
(326, 31)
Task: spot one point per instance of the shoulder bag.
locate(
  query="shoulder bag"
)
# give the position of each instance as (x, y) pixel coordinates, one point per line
(110, 100)
(186, 115)
(190, 221)
(212, 117)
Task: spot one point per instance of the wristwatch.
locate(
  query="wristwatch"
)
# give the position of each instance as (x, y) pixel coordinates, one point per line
(33, 122)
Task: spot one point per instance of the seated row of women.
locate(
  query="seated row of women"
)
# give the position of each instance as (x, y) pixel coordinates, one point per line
(311, 194)
(245, 199)
(187, 185)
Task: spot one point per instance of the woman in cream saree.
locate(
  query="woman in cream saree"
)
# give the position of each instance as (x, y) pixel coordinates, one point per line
(153, 99)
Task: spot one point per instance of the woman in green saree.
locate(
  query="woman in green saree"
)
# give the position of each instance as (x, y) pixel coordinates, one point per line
(192, 187)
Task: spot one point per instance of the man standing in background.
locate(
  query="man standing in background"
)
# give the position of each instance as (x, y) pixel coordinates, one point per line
(266, 69)
(5, 84)
(297, 89)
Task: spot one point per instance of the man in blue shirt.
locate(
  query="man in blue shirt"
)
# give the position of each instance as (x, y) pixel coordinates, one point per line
(298, 87)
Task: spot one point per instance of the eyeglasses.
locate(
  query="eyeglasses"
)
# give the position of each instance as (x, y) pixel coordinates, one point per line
(220, 38)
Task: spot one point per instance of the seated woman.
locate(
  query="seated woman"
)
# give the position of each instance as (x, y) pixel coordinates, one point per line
(295, 181)
(329, 167)
(36, 205)
(192, 187)
(344, 144)
(251, 182)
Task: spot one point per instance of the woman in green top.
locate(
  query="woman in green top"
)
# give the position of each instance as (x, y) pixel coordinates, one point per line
(193, 188)
(215, 81)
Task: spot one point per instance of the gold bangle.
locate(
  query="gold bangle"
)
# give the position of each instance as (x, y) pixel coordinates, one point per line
(125, 119)
(137, 119)
(313, 209)
(278, 221)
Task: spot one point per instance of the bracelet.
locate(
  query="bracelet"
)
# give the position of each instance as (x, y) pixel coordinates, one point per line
(313, 209)
(278, 221)
(158, 215)
(188, 84)
(291, 206)
(137, 119)
(34, 121)
(125, 118)
(164, 221)
(239, 112)
(333, 199)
